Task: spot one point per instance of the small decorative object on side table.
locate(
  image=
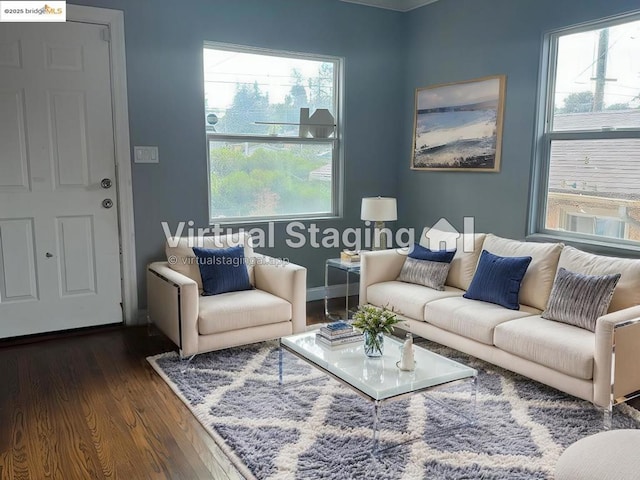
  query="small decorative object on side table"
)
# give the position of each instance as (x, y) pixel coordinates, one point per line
(375, 323)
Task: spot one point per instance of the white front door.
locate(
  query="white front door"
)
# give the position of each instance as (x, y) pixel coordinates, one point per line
(59, 244)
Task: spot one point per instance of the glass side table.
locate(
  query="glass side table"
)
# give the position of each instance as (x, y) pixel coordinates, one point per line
(350, 268)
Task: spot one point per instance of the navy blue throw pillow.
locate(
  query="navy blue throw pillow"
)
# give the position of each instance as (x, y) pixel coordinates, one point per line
(498, 279)
(222, 270)
(421, 253)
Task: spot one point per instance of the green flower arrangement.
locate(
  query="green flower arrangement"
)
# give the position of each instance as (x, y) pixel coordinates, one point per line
(374, 321)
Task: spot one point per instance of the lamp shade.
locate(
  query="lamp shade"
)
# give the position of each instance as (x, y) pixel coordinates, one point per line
(379, 209)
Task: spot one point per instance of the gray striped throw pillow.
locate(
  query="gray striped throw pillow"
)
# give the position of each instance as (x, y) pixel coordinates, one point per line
(424, 272)
(579, 299)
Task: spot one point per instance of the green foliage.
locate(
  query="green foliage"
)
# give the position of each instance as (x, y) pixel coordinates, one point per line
(618, 106)
(272, 179)
(578, 102)
(320, 87)
(249, 105)
(374, 320)
(266, 181)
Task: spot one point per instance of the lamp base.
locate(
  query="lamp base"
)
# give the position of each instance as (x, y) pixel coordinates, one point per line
(380, 236)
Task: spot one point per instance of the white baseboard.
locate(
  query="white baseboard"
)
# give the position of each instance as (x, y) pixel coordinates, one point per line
(333, 291)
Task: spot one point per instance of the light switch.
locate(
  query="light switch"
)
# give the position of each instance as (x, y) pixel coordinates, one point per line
(146, 154)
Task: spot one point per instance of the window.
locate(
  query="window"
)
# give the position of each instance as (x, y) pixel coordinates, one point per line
(589, 133)
(262, 163)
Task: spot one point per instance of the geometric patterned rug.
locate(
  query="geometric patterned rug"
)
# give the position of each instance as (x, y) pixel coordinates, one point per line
(320, 429)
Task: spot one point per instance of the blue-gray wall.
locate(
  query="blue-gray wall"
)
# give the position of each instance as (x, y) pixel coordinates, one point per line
(453, 40)
(164, 42)
(387, 56)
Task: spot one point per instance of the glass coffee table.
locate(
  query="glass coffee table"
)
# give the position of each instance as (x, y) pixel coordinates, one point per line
(350, 366)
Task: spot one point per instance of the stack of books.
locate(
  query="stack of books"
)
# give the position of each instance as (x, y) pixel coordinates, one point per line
(350, 256)
(338, 333)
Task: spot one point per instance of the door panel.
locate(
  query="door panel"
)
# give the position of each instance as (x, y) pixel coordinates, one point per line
(68, 127)
(60, 248)
(17, 261)
(77, 255)
(64, 57)
(14, 172)
(10, 54)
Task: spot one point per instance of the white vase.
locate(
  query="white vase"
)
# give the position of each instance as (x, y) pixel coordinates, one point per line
(321, 123)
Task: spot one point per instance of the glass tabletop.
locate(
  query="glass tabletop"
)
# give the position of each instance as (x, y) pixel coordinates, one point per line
(352, 267)
(379, 378)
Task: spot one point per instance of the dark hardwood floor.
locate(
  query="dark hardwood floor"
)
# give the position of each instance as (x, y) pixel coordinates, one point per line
(88, 405)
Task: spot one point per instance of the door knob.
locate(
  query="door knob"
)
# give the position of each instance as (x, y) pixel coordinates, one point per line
(106, 183)
(48, 255)
(107, 203)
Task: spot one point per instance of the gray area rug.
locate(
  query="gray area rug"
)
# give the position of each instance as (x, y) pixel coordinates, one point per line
(322, 430)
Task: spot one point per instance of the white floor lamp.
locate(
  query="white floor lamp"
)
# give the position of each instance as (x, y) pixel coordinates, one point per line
(379, 210)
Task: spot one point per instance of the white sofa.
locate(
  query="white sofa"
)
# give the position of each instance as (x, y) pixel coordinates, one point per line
(274, 308)
(601, 367)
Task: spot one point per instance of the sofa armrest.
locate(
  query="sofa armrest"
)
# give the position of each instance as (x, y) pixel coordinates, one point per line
(173, 303)
(616, 372)
(378, 266)
(287, 281)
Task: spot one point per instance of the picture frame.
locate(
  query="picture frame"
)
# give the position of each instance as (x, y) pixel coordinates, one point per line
(458, 126)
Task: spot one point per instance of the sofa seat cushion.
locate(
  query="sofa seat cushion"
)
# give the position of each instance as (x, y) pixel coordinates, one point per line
(556, 345)
(243, 309)
(472, 318)
(405, 298)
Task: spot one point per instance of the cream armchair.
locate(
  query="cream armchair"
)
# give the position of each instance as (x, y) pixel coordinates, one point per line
(276, 307)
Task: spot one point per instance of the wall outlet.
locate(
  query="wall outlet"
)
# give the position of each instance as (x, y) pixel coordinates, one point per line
(146, 155)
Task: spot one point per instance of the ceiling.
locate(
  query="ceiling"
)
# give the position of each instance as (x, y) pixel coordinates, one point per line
(400, 5)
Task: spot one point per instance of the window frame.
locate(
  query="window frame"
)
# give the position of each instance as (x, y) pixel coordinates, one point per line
(544, 136)
(336, 141)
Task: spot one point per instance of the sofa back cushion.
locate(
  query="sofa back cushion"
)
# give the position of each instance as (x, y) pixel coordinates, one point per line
(538, 281)
(627, 291)
(182, 259)
(468, 248)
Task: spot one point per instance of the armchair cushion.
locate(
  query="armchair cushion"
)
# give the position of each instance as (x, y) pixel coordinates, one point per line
(222, 270)
(238, 310)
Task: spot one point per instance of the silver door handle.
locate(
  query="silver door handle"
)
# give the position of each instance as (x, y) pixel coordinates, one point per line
(106, 183)
(107, 203)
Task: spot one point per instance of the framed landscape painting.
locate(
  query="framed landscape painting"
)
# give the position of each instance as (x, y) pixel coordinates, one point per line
(458, 126)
